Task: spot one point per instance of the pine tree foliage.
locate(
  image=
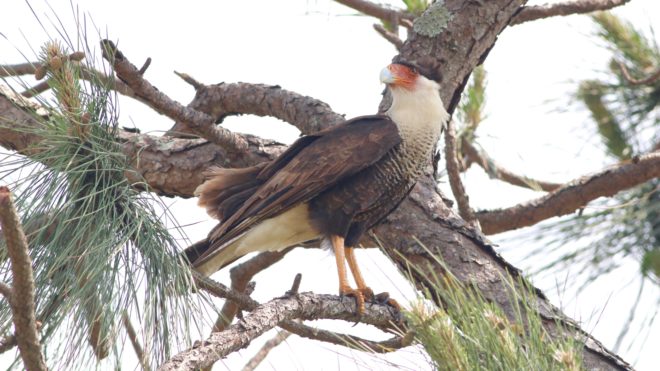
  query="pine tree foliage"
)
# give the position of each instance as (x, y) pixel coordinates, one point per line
(100, 248)
(626, 119)
(470, 333)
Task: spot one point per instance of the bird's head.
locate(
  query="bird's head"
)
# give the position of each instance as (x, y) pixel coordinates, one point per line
(407, 76)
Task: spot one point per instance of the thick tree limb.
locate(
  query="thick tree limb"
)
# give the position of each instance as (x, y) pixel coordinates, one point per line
(22, 297)
(454, 175)
(495, 170)
(573, 195)
(304, 306)
(202, 123)
(307, 114)
(532, 13)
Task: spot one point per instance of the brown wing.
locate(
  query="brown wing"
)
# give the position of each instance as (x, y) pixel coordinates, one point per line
(310, 166)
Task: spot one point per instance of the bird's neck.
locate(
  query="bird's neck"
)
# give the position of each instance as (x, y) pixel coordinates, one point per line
(419, 114)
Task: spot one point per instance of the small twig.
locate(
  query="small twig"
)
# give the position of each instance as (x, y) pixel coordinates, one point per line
(144, 67)
(219, 290)
(295, 286)
(132, 335)
(36, 89)
(189, 79)
(499, 172)
(532, 13)
(349, 341)
(22, 304)
(394, 16)
(389, 36)
(650, 79)
(202, 123)
(269, 345)
(454, 175)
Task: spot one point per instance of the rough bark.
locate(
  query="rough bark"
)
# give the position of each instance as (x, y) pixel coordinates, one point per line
(454, 35)
(305, 306)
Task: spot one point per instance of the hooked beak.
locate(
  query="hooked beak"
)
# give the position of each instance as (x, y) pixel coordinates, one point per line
(386, 76)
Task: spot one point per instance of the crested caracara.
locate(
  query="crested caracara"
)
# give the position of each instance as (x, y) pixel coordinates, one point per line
(333, 185)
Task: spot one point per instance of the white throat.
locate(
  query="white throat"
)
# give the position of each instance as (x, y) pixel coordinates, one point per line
(419, 112)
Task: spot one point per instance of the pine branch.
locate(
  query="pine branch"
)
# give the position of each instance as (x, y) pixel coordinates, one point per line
(22, 297)
(532, 13)
(202, 123)
(392, 16)
(573, 195)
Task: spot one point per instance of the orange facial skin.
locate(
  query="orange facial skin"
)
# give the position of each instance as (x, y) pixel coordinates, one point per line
(404, 76)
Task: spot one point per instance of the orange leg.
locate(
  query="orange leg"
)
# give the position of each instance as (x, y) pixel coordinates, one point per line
(344, 287)
(362, 286)
(357, 275)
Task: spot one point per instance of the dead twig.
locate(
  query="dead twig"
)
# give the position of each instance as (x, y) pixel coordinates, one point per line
(203, 124)
(350, 341)
(389, 36)
(532, 13)
(393, 16)
(21, 299)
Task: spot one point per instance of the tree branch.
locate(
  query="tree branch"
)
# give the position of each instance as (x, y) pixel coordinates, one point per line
(221, 100)
(532, 13)
(389, 36)
(350, 341)
(493, 169)
(378, 11)
(304, 306)
(454, 175)
(22, 298)
(241, 275)
(86, 73)
(573, 195)
(202, 123)
(271, 344)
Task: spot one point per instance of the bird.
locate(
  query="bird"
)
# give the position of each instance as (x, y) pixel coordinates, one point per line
(332, 185)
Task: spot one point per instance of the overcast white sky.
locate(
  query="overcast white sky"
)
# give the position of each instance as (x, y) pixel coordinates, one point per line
(326, 51)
